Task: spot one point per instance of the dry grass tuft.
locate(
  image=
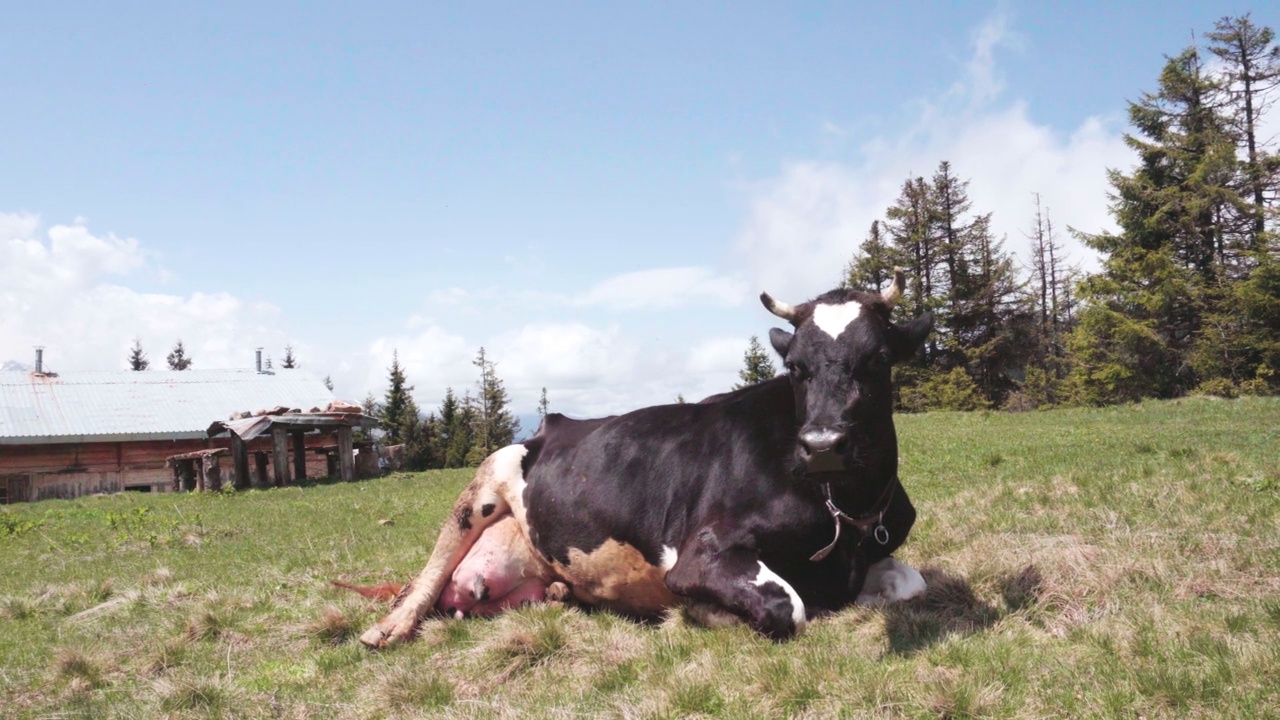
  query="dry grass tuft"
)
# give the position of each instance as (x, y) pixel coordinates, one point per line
(403, 691)
(13, 607)
(332, 626)
(74, 666)
(160, 577)
(212, 697)
(205, 624)
(166, 656)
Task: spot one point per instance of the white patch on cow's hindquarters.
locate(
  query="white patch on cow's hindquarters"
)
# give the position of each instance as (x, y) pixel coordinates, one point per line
(833, 319)
(797, 605)
(890, 581)
(669, 557)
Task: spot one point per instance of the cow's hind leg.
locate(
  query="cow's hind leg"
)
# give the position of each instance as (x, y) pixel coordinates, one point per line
(715, 569)
(489, 496)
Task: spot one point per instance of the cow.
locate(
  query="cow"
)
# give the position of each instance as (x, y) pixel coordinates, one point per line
(768, 505)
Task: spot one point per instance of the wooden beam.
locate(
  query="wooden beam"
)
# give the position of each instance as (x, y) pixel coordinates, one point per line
(197, 467)
(239, 463)
(299, 456)
(346, 460)
(280, 453)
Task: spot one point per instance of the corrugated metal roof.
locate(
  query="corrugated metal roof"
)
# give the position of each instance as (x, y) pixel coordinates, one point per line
(127, 405)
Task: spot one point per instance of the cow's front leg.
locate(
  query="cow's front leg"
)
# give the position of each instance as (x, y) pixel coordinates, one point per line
(718, 568)
(483, 503)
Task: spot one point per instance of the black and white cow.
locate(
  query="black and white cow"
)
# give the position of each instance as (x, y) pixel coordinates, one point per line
(769, 505)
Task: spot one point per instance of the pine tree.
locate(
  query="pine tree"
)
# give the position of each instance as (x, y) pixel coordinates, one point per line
(757, 367)
(910, 225)
(872, 267)
(496, 426)
(543, 406)
(399, 412)
(1048, 304)
(177, 357)
(328, 382)
(1252, 72)
(462, 440)
(1165, 269)
(290, 362)
(453, 435)
(137, 358)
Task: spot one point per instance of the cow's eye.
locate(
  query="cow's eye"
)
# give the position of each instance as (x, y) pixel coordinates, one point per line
(797, 371)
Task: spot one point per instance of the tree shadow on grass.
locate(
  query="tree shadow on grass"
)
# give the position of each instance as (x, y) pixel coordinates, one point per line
(951, 607)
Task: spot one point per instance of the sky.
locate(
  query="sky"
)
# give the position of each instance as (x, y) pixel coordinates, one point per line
(594, 193)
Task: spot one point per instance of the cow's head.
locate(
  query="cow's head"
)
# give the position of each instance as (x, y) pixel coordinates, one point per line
(839, 359)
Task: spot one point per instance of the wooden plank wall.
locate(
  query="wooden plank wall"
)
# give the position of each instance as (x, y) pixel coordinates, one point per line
(74, 470)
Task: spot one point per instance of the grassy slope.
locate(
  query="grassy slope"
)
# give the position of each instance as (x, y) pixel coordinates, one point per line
(1123, 561)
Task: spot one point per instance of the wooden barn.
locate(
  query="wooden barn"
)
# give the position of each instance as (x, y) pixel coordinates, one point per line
(69, 434)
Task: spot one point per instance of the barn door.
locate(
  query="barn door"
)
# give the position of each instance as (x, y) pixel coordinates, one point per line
(15, 489)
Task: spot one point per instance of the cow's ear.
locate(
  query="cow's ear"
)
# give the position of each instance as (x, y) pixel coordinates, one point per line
(905, 340)
(781, 340)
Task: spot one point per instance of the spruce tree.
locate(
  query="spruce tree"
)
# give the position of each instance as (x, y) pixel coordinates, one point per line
(399, 412)
(495, 427)
(1252, 73)
(177, 357)
(137, 358)
(543, 406)
(1164, 270)
(290, 362)
(871, 268)
(757, 366)
(462, 440)
(328, 382)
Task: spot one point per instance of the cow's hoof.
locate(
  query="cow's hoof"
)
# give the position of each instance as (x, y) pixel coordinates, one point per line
(376, 637)
(890, 581)
(557, 592)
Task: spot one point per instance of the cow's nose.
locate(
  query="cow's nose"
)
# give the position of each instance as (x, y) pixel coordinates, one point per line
(821, 440)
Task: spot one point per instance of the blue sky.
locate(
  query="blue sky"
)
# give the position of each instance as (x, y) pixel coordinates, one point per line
(595, 193)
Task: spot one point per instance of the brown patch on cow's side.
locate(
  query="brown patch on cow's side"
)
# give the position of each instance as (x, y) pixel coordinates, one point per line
(616, 576)
(386, 591)
(463, 514)
(487, 509)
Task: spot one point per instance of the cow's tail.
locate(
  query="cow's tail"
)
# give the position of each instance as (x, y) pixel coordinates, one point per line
(495, 491)
(386, 591)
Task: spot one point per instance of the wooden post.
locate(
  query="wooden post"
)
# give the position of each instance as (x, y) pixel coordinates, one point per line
(260, 461)
(280, 453)
(197, 467)
(346, 460)
(239, 463)
(299, 456)
(212, 474)
(177, 477)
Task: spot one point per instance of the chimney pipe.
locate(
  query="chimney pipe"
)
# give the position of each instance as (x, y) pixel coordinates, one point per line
(39, 359)
(258, 352)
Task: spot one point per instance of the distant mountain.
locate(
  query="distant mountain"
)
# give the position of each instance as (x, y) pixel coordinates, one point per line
(14, 366)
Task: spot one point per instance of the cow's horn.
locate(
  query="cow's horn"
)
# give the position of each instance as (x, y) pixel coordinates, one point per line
(781, 309)
(893, 293)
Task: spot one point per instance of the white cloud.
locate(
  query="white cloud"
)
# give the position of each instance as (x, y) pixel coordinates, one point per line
(63, 288)
(664, 289)
(805, 224)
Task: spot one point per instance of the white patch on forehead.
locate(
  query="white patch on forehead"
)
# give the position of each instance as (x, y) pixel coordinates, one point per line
(833, 319)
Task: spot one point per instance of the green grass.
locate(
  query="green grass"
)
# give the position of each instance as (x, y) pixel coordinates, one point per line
(1122, 562)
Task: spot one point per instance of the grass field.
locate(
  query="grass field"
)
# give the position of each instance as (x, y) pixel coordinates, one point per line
(1122, 562)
